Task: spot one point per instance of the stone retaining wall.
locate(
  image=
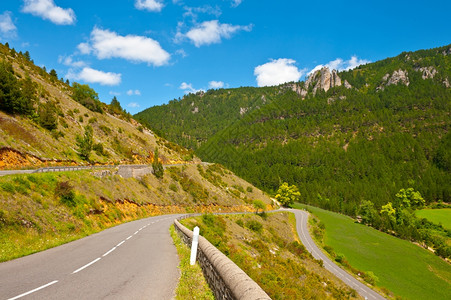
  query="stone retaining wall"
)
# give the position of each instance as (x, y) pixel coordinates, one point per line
(224, 277)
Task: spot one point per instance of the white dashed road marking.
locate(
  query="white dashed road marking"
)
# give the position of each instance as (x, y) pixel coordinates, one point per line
(87, 265)
(35, 290)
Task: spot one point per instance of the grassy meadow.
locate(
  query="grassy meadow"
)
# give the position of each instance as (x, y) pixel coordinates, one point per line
(405, 269)
(438, 216)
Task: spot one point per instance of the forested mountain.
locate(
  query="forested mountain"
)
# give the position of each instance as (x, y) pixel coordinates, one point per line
(341, 137)
(192, 120)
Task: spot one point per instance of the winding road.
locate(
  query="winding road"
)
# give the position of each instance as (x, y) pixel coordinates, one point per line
(135, 260)
(304, 235)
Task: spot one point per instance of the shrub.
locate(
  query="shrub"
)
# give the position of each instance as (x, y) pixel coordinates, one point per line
(173, 187)
(254, 226)
(65, 191)
(370, 277)
(8, 187)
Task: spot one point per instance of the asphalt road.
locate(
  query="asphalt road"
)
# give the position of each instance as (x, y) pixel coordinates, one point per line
(304, 235)
(135, 260)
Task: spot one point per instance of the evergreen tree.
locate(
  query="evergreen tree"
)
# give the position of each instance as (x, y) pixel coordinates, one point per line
(158, 170)
(47, 115)
(85, 143)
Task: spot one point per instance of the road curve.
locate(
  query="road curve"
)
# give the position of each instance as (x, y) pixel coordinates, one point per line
(135, 260)
(304, 235)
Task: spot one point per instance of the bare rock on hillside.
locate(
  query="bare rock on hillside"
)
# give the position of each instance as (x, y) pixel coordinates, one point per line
(428, 72)
(399, 76)
(324, 79)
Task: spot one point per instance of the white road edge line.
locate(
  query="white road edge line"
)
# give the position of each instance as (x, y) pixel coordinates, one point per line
(35, 290)
(120, 243)
(129, 237)
(87, 265)
(111, 250)
(136, 232)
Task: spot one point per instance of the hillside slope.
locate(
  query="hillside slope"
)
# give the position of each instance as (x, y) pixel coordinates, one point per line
(40, 120)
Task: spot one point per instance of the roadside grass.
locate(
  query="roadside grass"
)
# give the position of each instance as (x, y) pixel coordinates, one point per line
(265, 247)
(192, 283)
(438, 216)
(44, 210)
(405, 269)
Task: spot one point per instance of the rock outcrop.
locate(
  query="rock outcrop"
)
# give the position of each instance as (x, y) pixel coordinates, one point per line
(428, 72)
(398, 77)
(324, 79)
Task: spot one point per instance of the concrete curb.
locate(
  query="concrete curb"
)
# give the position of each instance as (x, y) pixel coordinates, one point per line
(224, 277)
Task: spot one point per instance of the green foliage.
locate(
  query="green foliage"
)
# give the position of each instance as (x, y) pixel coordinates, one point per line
(258, 204)
(254, 226)
(386, 256)
(192, 284)
(86, 96)
(196, 190)
(65, 192)
(53, 75)
(98, 148)
(158, 170)
(409, 198)
(47, 113)
(16, 96)
(85, 143)
(287, 195)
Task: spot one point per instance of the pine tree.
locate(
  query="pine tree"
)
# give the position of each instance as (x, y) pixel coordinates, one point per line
(157, 166)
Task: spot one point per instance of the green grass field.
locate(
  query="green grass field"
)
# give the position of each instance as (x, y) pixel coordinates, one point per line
(442, 216)
(402, 267)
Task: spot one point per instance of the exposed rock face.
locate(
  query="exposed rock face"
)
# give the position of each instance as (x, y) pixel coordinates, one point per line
(428, 72)
(243, 110)
(446, 83)
(347, 85)
(324, 79)
(399, 76)
(447, 52)
(298, 89)
(195, 110)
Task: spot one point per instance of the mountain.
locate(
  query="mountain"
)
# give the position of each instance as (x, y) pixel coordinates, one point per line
(341, 137)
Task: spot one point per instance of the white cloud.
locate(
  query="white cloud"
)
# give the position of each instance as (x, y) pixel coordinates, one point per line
(133, 93)
(84, 48)
(107, 44)
(47, 10)
(277, 72)
(235, 3)
(211, 32)
(68, 61)
(7, 27)
(150, 5)
(215, 84)
(133, 105)
(188, 88)
(182, 53)
(341, 65)
(95, 76)
(114, 93)
(206, 9)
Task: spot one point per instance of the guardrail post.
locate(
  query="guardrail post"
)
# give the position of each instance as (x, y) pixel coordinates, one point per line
(192, 260)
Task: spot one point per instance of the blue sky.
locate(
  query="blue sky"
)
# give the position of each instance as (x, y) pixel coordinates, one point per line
(147, 52)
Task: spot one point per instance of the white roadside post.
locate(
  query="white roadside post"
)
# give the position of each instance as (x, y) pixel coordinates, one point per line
(192, 260)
